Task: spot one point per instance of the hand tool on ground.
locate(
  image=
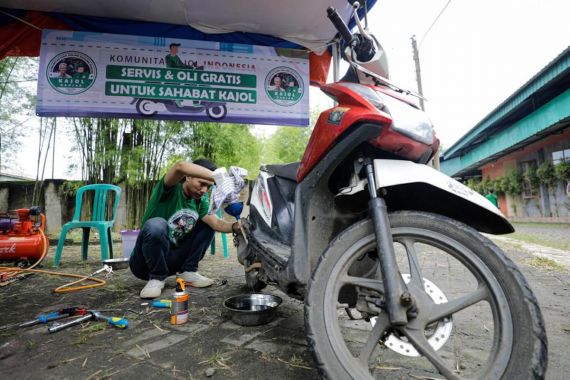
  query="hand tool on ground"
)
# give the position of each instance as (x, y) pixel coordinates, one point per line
(55, 315)
(121, 323)
(162, 304)
(60, 326)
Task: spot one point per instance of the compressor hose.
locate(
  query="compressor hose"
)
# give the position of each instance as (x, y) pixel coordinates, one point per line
(61, 289)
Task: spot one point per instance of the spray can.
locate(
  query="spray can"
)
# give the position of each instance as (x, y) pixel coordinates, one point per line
(179, 306)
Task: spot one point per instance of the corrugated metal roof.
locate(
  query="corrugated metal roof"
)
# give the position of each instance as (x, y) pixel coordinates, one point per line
(555, 68)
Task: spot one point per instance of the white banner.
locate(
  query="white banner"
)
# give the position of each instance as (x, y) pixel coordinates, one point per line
(109, 75)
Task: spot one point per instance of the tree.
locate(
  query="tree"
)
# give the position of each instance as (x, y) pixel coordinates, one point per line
(224, 144)
(17, 99)
(287, 145)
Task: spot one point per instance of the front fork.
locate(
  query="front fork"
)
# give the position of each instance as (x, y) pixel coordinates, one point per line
(398, 298)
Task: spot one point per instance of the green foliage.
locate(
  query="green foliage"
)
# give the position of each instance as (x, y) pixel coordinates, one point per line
(286, 145)
(69, 188)
(17, 100)
(531, 175)
(562, 170)
(546, 174)
(486, 185)
(499, 184)
(224, 144)
(475, 184)
(513, 182)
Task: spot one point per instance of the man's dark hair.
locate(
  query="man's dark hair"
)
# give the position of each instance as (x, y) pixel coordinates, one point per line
(205, 163)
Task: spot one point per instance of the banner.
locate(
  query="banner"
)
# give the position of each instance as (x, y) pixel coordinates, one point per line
(108, 75)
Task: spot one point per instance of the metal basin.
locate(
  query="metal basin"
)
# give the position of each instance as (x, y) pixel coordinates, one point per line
(117, 264)
(252, 309)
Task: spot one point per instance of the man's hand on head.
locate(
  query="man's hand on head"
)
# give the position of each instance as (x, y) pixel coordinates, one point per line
(186, 169)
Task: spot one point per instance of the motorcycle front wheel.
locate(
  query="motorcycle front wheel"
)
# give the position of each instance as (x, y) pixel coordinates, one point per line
(475, 316)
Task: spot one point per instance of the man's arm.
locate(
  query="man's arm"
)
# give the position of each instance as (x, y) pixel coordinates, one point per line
(183, 169)
(221, 226)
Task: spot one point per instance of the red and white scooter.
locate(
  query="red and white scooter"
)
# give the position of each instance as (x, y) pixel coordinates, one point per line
(363, 228)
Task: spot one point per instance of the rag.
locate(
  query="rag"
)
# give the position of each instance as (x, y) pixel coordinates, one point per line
(228, 187)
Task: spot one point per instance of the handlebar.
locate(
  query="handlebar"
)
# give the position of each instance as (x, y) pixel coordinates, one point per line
(340, 26)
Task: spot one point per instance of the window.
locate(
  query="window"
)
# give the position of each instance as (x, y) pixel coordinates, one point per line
(560, 155)
(528, 190)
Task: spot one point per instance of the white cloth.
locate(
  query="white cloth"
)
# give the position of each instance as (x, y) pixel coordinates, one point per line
(228, 187)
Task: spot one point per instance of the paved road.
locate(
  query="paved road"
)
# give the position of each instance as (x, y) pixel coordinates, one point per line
(151, 347)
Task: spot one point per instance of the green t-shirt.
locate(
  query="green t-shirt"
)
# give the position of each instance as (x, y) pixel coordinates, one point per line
(180, 212)
(175, 61)
(493, 199)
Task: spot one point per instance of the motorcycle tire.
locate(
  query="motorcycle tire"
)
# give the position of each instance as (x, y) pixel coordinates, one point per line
(143, 107)
(523, 356)
(217, 112)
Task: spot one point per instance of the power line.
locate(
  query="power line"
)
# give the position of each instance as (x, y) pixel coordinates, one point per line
(433, 23)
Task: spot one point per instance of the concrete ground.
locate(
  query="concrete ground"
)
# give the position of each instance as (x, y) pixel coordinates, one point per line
(210, 342)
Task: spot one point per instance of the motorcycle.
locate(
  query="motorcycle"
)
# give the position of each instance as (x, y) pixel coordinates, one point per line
(148, 107)
(386, 252)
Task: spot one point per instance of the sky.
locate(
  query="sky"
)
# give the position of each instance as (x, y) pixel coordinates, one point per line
(474, 57)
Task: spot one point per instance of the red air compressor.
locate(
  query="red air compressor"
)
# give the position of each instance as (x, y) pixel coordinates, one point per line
(20, 236)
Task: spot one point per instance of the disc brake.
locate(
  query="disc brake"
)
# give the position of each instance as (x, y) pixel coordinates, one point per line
(438, 335)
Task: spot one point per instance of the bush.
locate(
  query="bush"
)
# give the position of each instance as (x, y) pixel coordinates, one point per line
(546, 174)
(474, 184)
(513, 183)
(531, 176)
(562, 171)
(499, 184)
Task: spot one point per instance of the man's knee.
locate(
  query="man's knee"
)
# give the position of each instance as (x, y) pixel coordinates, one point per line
(155, 228)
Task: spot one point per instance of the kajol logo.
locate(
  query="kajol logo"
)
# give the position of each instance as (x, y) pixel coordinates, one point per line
(284, 86)
(71, 72)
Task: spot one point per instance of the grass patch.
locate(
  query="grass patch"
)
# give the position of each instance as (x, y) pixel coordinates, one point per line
(545, 263)
(217, 360)
(542, 225)
(563, 244)
(89, 332)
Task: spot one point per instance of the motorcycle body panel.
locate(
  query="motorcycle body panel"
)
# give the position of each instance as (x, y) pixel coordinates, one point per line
(418, 187)
(354, 109)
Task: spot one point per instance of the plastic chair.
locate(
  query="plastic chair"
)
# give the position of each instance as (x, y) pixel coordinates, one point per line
(97, 221)
(224, 241)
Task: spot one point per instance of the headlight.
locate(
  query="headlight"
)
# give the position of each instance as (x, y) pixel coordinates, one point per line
(406, 119)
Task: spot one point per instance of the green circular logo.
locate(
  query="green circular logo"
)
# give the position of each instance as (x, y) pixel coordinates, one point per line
(284, 86)
(71, 72)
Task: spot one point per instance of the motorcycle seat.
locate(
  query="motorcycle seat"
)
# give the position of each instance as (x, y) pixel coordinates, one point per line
(287, 171)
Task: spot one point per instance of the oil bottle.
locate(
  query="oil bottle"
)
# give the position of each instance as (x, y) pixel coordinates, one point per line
(179, 308)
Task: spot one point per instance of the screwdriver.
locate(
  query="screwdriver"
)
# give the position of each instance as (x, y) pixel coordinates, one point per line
(162, 304)
(53, 316)
(121, 323)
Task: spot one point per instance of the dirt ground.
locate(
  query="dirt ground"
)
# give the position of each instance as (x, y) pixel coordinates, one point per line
(151, 347)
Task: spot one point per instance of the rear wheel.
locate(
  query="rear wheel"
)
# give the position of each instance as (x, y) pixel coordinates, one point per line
(217, 112)
(475, 315)
(146, 107)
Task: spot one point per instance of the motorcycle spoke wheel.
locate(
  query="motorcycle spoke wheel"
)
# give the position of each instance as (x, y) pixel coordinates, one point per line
(468, 307)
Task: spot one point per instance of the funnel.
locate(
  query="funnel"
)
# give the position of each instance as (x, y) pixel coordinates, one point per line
(234, 209)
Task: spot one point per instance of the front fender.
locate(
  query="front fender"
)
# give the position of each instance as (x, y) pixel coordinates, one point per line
(413, 186)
